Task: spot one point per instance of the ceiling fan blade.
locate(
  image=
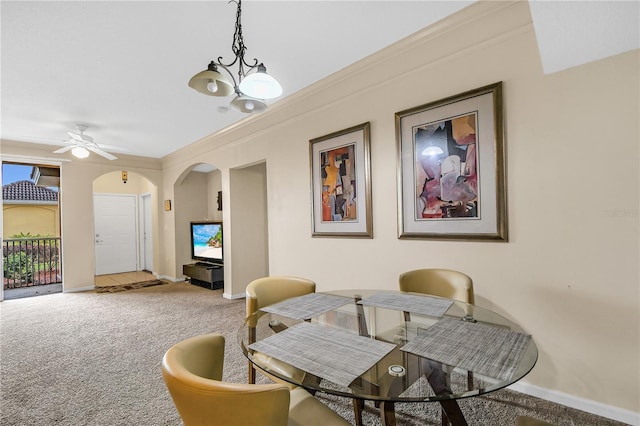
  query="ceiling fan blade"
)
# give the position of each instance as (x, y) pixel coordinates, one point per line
(75, 136)
(65, 149)
(80, 137)
(103, 153)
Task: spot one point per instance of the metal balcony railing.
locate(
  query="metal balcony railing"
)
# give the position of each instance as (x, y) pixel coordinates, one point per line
(31, 262)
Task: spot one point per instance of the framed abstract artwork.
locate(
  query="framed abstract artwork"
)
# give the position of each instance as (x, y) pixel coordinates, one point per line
(451, 168)
(341, 184)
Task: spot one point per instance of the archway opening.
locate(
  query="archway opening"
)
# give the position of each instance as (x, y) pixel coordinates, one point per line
(125, 219)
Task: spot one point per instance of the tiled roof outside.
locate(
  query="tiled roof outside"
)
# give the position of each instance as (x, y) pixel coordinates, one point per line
(25, 190)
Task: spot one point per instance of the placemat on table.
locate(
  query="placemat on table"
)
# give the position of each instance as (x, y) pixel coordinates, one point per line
(329, 353)
(307, 306)
(410, 303)
(490, 351)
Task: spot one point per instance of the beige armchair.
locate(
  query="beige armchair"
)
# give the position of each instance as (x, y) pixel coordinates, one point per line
(439, 282)
(192, 371)
(268, 291)
(443, 283)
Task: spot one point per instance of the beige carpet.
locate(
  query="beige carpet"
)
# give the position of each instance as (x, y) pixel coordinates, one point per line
(75, 359)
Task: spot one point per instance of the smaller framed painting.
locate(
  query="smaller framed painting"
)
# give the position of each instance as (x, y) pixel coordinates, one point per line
(341, 184)
(451, 168)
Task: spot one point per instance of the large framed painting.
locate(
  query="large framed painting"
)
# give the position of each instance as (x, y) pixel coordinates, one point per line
(451, 168)
(341, 184)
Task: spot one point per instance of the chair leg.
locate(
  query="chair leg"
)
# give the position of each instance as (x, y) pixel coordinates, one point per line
(252, 370)
(470, 380)
(252, 374)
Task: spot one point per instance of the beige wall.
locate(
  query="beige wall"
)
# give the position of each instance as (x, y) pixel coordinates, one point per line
(111, 183)
(248, 241)
(568, 275)
(41, 220)
(214, 184)
(191, 200)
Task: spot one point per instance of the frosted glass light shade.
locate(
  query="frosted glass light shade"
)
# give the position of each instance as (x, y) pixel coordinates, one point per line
(248, 105)
(201, 82)
(260, 85)
(80, 152)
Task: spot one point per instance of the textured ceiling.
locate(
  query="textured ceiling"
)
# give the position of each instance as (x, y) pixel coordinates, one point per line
(122, 67)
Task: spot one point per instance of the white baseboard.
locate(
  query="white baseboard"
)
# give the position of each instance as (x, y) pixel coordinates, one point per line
(589, 406)
(234, 296)
(78, 289)
(172, 279)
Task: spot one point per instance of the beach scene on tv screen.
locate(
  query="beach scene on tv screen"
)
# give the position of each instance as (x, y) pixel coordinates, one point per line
(207, 241)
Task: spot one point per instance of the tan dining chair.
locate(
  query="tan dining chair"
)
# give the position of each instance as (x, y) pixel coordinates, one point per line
(267, 291)
(443, 283)
(192, 370)
(439, 282)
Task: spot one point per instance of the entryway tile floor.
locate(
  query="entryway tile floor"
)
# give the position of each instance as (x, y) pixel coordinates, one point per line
(123, 278)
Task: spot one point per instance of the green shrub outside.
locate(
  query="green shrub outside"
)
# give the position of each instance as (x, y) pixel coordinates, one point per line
(19, 265)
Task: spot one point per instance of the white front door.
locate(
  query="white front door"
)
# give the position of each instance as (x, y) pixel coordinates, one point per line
(115, 233)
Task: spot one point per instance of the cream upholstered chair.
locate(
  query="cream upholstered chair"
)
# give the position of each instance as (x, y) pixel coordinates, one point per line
(444, 283)
(439, 282)
(268, 291)
(192, 370)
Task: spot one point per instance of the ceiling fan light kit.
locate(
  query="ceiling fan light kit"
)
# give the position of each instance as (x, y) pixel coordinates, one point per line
(80, 152)
(252, 86)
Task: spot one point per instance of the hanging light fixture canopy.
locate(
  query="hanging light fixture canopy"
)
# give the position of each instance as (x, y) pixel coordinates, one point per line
(252, 84)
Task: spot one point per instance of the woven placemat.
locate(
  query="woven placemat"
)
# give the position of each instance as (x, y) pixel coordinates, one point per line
(490, 351)
(425, 305)
(307, 306)
(329, 353)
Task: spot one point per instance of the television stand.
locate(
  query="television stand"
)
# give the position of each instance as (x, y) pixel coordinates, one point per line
(207, 275)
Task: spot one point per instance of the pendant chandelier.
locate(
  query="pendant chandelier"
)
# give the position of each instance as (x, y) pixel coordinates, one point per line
(251, 87)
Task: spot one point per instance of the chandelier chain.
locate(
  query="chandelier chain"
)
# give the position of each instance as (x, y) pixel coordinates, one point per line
(238, 48)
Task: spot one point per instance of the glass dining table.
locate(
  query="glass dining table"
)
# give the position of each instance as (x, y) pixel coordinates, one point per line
(388, 347)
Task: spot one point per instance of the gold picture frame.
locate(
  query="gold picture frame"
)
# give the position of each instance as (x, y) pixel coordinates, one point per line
(167, 205)
(341, 183)
(451, 168)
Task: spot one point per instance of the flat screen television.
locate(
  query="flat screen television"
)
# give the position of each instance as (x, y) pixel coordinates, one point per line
(206, 242)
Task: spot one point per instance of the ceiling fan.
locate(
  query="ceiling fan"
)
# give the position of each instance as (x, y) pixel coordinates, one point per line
(80, 145)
